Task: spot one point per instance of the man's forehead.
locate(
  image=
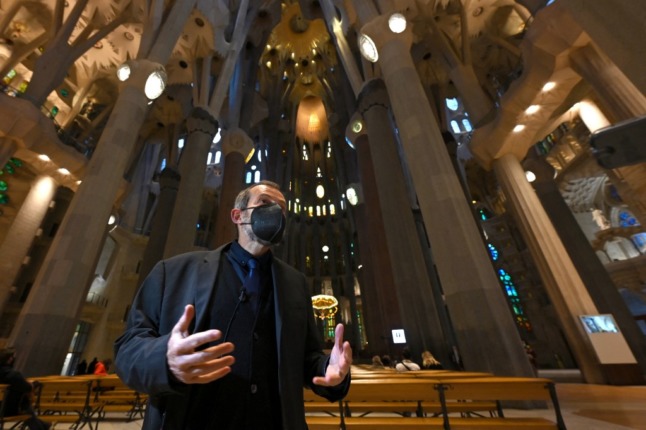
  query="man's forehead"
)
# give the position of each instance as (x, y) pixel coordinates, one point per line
(264, 191)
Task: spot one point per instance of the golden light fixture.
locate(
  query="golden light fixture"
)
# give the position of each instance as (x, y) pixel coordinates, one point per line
(311, 120)
(325, 306)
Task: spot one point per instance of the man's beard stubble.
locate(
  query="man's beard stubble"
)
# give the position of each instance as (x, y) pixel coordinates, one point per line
(248, 229)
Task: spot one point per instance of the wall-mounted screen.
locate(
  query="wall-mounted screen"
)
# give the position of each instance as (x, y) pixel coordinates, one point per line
(399, 336)
(599, 323)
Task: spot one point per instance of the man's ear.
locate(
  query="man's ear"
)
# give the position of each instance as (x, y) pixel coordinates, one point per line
(236, 215)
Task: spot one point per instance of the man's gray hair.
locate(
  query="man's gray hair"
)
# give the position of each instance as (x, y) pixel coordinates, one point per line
(242, 199)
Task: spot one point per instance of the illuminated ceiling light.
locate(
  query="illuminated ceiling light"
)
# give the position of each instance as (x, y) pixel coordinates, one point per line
(123, 72)
(357, 126)
(532, 109)
(112, 222)
(368, 48)
(352, 195)
(320, 191)
(63, 171)
(155, 84)
(325, 248)
(78, 182)
(518, 128)
(531, 176)
(397, 23)
(268, 64)
(44, 157)
(548, 86)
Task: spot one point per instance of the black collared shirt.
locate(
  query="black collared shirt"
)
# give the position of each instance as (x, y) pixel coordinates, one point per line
(248, 397)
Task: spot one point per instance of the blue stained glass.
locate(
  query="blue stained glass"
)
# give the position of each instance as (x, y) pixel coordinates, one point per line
(493, 252)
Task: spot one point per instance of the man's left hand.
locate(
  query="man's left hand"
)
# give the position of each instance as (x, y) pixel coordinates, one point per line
(340, 361)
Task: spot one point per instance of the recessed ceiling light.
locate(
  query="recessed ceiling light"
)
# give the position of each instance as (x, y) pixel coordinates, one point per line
(549, 86)
(44, 157)
(519, 128)
(532, 109)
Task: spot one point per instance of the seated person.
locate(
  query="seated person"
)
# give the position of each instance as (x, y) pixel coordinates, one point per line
(429, 362)
(406, 364)
(102, 367)
(20, 393)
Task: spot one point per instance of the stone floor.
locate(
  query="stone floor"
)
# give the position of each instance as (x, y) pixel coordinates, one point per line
(584, 407)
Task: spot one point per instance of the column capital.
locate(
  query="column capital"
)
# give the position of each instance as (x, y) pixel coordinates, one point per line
(169, 178)
(139, 71)
(381, 34)
(236, 140)
(373, 93)
(200, 120)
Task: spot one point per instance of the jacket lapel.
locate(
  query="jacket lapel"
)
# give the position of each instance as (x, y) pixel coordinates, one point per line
(207, 271)
(280, 281)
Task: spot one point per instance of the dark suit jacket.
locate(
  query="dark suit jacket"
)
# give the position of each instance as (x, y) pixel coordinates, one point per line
(140, 353)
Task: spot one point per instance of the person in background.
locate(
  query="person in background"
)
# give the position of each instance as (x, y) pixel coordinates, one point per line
(226, 339)
(406, 364)
(81, 368)
(19, 397)
(91, 366)
(429, 362)
(102, 367)
(388, 363)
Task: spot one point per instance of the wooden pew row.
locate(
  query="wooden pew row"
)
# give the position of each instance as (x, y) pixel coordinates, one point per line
(116, 396)
(502, 389)
(457, 401)
(66, 400)
(85, 400)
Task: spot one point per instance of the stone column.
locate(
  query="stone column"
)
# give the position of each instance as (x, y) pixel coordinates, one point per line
(237, 147)
(412, 284)
(619, 96)
(8, 147)
(473, 294)
(202, 128)
(621, 100)
(22, 232)
(169, 180)
(564, 286)
(594, 275)
(47, 322)
(378, 288)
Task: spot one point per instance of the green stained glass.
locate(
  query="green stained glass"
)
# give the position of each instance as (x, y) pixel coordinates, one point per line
(4, 199)
(3, 186)
(9, 168)
(64, 92)
(16, 162)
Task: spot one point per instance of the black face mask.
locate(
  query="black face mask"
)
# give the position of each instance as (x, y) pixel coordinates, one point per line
(267, 222)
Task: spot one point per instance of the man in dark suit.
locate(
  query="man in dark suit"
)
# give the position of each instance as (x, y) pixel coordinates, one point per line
(226, 339)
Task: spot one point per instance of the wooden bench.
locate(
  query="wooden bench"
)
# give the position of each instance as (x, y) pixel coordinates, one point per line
(67, 400)
(500, 389)
(115, 396)
(369, 396)
(455, 404)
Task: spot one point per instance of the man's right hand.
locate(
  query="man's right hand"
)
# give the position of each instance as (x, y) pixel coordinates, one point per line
(188, 364)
